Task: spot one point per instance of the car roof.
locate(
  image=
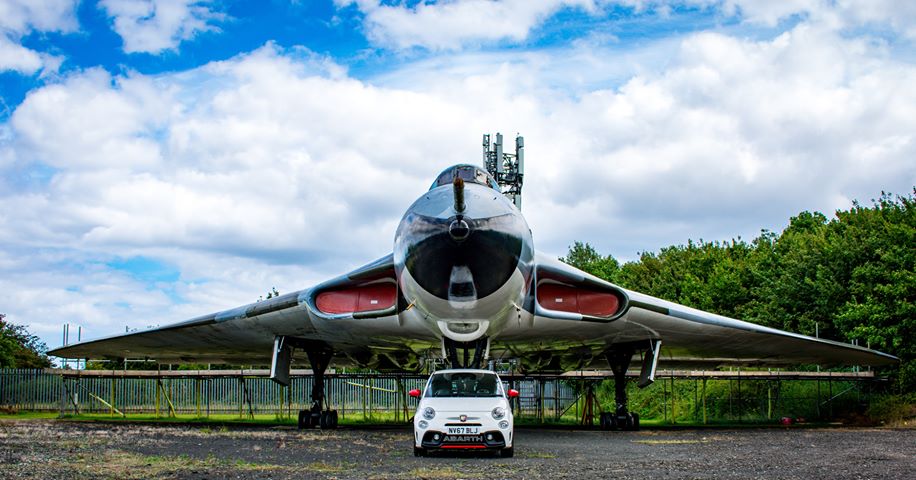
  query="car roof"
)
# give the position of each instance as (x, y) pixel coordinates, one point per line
(465, 370)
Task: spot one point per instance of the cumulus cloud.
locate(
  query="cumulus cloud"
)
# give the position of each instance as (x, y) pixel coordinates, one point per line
(450, 24)
(457, 24)
(18, 58)
(277, 168)
(18, 18)
(21, 16)
(152, 26)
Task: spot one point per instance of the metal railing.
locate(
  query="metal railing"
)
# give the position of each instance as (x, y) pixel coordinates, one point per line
(675, 396)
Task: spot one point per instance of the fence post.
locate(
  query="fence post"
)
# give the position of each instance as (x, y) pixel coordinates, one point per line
(704, 400)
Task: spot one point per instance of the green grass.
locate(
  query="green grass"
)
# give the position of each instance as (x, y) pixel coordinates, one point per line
(28, 415)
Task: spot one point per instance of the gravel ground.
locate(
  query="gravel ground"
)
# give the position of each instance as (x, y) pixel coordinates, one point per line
(76, 450)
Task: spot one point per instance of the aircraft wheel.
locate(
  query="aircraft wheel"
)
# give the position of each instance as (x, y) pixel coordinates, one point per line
(603, 421)
(324, 420)
(305, 419)
(508, 452)
(419, 452)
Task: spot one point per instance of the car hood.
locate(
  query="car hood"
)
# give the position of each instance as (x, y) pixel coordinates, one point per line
(464, 404)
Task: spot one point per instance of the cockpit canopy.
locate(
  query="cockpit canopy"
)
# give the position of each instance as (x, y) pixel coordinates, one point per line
(468, 173)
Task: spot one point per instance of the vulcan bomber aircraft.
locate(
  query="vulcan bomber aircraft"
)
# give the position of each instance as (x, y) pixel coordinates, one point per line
(464, 283)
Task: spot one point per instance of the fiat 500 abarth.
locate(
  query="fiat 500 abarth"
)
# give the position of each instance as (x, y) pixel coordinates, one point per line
(463, 409)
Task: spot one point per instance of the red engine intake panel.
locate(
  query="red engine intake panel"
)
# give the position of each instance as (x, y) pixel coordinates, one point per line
(365, 298)
(577, 300)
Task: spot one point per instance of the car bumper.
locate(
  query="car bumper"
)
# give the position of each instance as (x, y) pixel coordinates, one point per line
(490, 440)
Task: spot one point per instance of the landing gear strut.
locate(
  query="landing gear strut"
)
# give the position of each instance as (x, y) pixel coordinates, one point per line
(317, 416)
(619, 361)
(479, 347)
(618, 358)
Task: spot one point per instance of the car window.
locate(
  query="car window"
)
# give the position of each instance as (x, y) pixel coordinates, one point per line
(463, 384)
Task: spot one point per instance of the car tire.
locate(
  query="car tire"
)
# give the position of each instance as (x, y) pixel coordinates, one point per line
(333, 420)
(419, 452)
(635, 422)
(507, 452)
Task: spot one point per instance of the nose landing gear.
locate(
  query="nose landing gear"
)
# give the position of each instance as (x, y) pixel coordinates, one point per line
(479, 347)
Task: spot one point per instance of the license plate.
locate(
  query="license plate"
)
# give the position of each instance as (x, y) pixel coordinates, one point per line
(463, 430)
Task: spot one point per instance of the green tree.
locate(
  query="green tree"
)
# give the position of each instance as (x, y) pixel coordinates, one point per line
(19, 348)
(584, 257)
(849, 278)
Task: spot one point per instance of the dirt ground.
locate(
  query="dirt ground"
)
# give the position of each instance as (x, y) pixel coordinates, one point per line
(51, 449)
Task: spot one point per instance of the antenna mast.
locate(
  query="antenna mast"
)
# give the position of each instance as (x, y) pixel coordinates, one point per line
(508, 169)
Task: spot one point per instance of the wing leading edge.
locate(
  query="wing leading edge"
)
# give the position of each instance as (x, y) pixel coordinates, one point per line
(691, 336)
(245, 334)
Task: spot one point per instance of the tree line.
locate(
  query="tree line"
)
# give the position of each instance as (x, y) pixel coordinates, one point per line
(848, 278)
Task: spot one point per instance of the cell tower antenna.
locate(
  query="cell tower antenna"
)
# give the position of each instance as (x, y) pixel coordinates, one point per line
(508, 169)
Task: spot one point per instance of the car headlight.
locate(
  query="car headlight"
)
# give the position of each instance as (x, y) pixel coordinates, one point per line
(504, 424)
(423, 424)
(498, 412)
(429, 413)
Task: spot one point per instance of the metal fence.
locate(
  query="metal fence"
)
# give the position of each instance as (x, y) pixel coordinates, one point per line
(675, 396)
(246, 394)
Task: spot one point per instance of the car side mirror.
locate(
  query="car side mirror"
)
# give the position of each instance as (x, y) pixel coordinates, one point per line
(513, 393)
(415, 393)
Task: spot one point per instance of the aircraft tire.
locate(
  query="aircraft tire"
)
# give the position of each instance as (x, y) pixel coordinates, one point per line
(324, 420)
(305, 417)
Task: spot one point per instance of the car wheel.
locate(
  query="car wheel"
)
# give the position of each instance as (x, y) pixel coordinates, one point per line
(333, 422)
(419, 452)
(635, 421)
(508, 452)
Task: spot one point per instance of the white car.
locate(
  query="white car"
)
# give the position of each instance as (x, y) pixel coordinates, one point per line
(463, 409)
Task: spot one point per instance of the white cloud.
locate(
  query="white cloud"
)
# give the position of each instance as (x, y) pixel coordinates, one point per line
(834, 14)
(18, 18)
(152, 26)
(457, 24)
(21, 16)
(450, 24)
(277, 168)
(18, 58)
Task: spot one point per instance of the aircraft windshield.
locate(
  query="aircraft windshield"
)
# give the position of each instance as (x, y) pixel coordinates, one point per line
(463, 384)
(468, 173)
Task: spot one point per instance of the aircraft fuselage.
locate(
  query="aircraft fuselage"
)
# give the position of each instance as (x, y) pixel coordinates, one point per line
(465, 267)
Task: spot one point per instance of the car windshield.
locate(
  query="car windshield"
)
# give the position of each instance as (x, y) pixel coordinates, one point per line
(463, 384)
(468, 173)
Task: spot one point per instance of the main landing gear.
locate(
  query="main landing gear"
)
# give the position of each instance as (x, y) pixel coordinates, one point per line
(319, 355)
(317, 416)
(618, 359)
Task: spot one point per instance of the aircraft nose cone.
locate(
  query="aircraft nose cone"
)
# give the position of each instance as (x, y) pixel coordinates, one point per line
(459, 230)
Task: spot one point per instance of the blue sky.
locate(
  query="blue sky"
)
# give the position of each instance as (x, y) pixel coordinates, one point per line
(161, 159)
